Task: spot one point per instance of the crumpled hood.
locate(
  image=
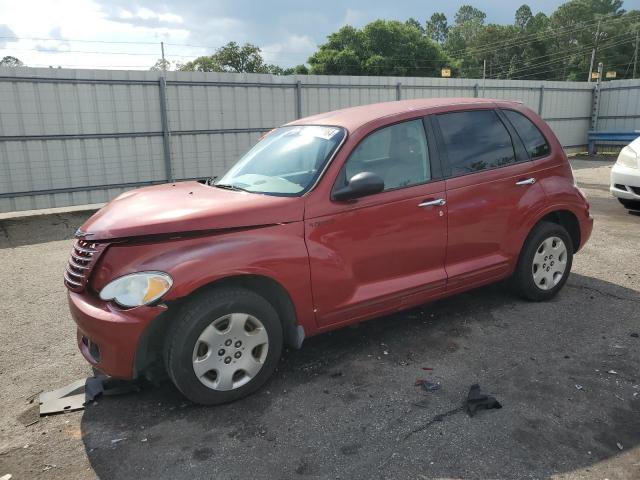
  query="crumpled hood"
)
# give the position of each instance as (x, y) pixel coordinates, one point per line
(188, 207)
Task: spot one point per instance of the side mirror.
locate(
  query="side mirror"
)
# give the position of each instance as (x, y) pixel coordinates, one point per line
(360, 185)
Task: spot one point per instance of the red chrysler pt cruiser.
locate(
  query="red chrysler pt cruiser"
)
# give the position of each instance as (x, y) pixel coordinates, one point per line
(328, 220)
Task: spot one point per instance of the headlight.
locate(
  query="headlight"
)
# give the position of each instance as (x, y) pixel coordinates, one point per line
(628, 158)
(137, 288)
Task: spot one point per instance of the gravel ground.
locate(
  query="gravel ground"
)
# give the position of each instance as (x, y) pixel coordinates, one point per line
(345, 406)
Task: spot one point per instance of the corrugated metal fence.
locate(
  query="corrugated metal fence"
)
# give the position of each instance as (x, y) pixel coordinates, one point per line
(71, 137)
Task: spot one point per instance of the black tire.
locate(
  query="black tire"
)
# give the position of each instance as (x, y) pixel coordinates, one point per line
(630, 204)
(523, 278)
(191, 321)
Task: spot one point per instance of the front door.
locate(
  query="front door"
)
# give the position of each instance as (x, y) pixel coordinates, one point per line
(385, 251)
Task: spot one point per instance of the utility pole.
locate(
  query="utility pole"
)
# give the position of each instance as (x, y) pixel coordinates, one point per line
(593, 57)
(593, 52)
(635, 56)
(164, 65)
(484, 75)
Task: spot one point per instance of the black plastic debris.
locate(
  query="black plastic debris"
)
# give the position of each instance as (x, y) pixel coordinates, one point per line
(477, 400)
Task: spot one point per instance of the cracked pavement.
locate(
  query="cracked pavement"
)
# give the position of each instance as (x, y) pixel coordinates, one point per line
(345, 406)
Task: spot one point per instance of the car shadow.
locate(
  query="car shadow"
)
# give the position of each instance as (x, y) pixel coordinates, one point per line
(345, 405)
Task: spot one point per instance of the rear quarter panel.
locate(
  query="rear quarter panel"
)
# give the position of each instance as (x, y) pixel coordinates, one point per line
(553, 174)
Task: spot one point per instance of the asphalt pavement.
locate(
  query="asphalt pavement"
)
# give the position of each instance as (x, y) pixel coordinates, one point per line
(345, 406)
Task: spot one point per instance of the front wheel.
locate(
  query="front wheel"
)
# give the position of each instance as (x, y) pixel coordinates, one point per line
(544, 263)
(224, 345)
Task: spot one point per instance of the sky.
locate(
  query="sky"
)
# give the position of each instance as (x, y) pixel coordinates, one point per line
(126, 34)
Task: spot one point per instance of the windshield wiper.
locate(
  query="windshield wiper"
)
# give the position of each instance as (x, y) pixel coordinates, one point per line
(228, 186)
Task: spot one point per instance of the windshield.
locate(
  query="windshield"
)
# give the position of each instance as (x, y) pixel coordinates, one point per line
(287, 161)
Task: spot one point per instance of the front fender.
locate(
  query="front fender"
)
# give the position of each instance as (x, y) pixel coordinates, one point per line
(277, 252)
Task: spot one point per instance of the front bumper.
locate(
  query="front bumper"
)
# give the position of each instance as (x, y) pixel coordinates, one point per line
(629, 179)
(108, 337)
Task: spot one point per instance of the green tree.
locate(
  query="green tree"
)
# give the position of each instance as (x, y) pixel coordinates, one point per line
(461, 38)
(161, 65)
(467, 14)
(412, 22)
(523, 17)
(230, 58)
(10, 61)
(437, 28)
(382, 47)
(297, 70)
(574, 32)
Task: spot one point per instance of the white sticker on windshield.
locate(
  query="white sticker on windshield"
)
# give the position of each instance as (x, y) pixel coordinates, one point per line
(325, 133)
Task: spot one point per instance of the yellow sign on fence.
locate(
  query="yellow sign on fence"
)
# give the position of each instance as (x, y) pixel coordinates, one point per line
(445, 72)
(610, 75)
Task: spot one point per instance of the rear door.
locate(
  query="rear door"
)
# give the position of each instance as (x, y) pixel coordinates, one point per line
(385, 251)
(490, 186)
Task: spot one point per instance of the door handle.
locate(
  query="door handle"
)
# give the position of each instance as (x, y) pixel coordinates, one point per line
(439, 202)
(527, 181)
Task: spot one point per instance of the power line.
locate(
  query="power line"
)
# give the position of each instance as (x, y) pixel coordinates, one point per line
(551, 57)
(47, 39)
(540, 72)
(524, 39)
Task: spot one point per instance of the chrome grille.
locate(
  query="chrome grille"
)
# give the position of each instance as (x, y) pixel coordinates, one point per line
(82, 259)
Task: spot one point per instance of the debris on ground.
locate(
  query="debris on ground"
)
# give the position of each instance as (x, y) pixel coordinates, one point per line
(427, 385)
(430, 386)
(77, 394)
(612, 372)
(7, 476)
(477, 400)
(619, 445)
(634, 335)
(117, 440)
(428, 369)
(579, 387)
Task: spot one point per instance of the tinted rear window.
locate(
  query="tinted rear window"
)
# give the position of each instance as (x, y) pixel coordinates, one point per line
(532, 138)
(475, 141)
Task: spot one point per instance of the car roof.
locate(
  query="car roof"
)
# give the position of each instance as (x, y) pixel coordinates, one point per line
(354, 117)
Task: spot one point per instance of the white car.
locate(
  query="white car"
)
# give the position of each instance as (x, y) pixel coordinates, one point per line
(625, 176)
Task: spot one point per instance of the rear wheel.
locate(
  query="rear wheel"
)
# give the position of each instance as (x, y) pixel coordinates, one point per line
(544, 263)
(630, 204)
(224, 345)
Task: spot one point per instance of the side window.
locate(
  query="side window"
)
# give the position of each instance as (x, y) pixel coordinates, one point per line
(475, 140)
(532, 138)
(398, 154)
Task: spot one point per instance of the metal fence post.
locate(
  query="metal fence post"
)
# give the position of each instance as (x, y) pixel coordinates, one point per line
(595, 101)
(298, 99)
(475, 90)
(166, 144)
(399, 91)
(541, 100)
